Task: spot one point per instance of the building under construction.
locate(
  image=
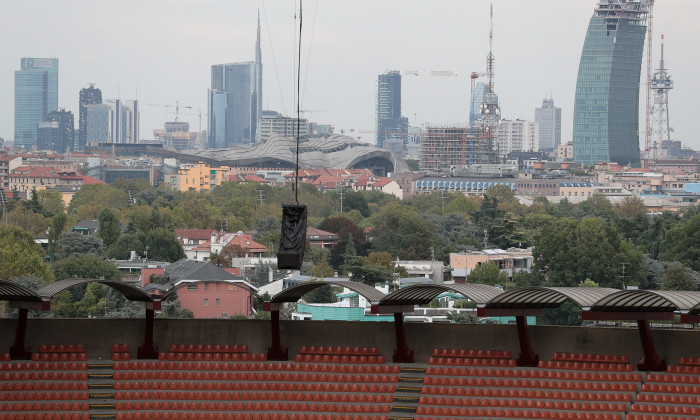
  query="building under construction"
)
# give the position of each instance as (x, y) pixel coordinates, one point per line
(447, 147)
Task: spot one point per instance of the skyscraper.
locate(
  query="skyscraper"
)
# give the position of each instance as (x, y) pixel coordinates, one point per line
(549, 119)
(88, 95)
(36, 94)
(606, 108)
(57, 133)
(235, 101)
(116, 121)
(388, 118)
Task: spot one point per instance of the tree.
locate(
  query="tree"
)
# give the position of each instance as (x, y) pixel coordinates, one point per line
(676, 278)
(85, 266)
(570, 251)
(682, 243)
(20, 256)
(121, 249)
(110, 227)
(568, 313)
(630, 207)
(28, 220)
(356, 201)
(73, 243)
(58, 225)
(487, 273)
(229, 252)
(402, 231)
(322, 270)
(163, 245)
(50, 202)
(461, 205)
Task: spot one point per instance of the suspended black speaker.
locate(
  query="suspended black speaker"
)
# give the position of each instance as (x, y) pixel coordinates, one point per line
(291, 251)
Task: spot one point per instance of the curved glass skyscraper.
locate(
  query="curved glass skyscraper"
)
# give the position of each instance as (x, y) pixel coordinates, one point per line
(606, 109)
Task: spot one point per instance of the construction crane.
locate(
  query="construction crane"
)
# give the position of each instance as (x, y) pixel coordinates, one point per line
(177, 109)
(303, 111)
(650, 37)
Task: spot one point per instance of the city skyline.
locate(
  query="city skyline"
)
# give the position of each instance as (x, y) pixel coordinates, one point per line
(168, 56)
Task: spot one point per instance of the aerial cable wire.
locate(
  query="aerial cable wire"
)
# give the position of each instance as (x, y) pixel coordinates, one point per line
(274, 61)
(296, 178)
(308, 58)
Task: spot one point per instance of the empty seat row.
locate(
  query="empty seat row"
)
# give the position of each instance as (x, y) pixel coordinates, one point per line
(249, 406)
(62, 348)
(479, 354)
(508, 413)
(669, 399)
(169, 415)
(348, 351)
(470, 361)
(48, 385)
(44, 376)
(296, 377)
(255, 386)
(121, 356)
(5, 357)
(528, 393)
(599, 358)
(255, 366)
(255, 357)
(62, 357)
(535, 374)
(44, 406)
(532, 383)
(692, 369)
(43, 396)
(683, 410)
(691, 361)
(673, 379)
(254, 396)
(44, 416)
(343, 359)
(671, 389)
(527, 403)
(120, 348)
(208, 348)
(637, 416)
(43, 366)
(593, 366)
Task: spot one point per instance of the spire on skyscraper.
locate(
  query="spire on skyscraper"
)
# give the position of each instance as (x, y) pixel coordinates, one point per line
(258, 53)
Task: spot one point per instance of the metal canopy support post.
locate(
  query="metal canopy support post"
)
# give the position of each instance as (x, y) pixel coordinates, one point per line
(148, 350)
(18, 349)
(403, 354)
(527, 356)
(276, 351)
(651, 361)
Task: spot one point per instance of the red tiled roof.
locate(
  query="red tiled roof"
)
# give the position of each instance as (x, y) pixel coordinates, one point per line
(246, 242)
(382, 182)
(35, 171)
(88, 180)
(255, 178)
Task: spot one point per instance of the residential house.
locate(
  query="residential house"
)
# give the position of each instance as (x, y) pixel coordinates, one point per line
(510, 261)
(320, 238)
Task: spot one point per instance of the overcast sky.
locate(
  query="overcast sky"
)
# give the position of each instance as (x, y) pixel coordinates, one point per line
(164, 49)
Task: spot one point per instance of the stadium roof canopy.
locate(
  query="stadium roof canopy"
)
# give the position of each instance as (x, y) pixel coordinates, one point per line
(324, 152)
(421, 294)
(295, 293)
(130, 292)
(685, 302)
(548, 297)
(14, 292)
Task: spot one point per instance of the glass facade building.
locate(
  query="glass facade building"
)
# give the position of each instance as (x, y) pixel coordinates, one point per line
(235, 101)
(88, 95)
(36, 95)
(549, 119)
(606, 107)
(388, 117)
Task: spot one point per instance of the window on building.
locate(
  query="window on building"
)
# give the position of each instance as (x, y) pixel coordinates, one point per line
(206, 286)
(206, 302)
(217, 302)
(192, 286)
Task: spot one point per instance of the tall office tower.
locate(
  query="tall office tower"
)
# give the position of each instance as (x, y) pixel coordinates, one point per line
(115, 121)
(517, 136)
(235, 101)
(606, 108)
(391, 127)
(36, 94)
(57, 133)
(88, 95)
(549, 119)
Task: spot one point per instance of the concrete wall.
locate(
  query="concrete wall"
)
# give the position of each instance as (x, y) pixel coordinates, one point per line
(99, 334)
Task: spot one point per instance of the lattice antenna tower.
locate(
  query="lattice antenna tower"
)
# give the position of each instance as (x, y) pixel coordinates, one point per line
(661, 84)
(650, 49)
